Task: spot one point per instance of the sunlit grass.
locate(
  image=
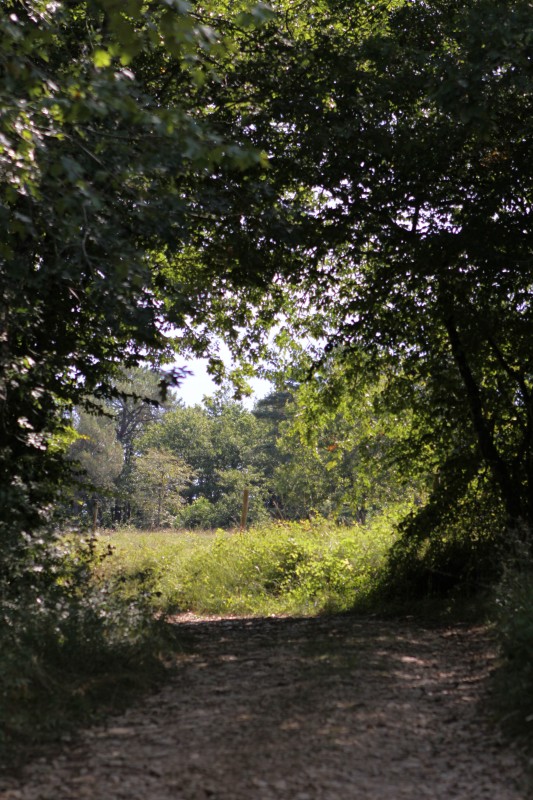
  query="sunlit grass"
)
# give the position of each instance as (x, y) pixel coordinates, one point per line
(278, 568)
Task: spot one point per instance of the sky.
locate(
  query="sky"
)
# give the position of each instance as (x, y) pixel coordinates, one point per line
(199, 384)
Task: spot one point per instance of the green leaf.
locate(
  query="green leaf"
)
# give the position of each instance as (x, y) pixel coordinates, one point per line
(101, 58)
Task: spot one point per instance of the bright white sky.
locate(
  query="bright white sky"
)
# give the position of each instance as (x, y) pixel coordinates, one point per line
(196, 386)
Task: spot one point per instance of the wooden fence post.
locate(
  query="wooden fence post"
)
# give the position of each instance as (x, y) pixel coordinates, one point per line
(244, 513)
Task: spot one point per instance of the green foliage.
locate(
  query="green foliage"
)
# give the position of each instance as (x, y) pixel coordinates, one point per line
(514, 678)
(70, 643)
(138, 399)
(159, 554)
(103, 447)
(188, 433)
(296, 567)
(98, 460)
(223, 444)
(159, 479)
(394, 222)
(449, 548)
(342, 445)
(297, 458)
(97, 451)
(226, 511)
(199, 514)
(98, 134)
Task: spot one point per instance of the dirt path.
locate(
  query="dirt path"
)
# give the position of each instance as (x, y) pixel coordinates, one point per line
(299, 709)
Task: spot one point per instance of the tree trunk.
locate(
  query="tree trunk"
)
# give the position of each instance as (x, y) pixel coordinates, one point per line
(244, 513)
(95, 514)
(500, 470)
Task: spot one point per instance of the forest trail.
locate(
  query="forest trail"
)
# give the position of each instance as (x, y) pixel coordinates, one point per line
(329, 708)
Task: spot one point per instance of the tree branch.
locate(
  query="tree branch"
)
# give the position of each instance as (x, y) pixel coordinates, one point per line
(489, 451)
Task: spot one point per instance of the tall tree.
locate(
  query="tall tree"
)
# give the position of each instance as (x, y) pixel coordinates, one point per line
(138, 400)
(218, 442)
(94, 150)
(395, 219)
(99, 455)
(159, 479)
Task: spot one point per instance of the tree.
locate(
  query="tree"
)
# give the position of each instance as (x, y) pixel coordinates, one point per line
(99, 455)
(159, 479)
(187, 433)
(107, 437)
(294, 455)
(136, 402)
(226, 511)
(337, 447)
(221, 442)
(97, 137)
(392, 222)
(395, 219)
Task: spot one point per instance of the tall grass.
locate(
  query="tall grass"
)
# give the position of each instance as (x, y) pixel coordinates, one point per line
(277, 568)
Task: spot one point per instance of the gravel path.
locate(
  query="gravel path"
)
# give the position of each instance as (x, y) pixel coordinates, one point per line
(299, 709)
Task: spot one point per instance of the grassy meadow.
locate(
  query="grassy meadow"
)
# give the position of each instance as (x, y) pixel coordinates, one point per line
(308, 567)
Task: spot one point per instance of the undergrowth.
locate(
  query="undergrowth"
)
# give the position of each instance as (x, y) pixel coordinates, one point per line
(306, 567)
(513, 681)
(71, 644)
(87, 628)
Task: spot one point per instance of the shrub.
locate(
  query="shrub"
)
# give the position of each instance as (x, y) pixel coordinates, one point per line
(296, 567)
(514, 627)
(451, 546)
(70, 642)
(199, 514)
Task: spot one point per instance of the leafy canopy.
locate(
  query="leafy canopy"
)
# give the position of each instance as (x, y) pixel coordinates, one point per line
(98, 142)
(395, 220)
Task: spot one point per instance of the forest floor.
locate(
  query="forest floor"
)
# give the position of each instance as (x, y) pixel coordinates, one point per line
(328, 708)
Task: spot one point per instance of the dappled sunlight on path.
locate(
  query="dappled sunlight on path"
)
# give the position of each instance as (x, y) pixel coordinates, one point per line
(303, 709)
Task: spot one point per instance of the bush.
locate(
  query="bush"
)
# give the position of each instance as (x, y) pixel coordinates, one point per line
(202, 514)
(276, 568)
(514, 626)
(450, 547)
(70, 642)
(199, 514)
